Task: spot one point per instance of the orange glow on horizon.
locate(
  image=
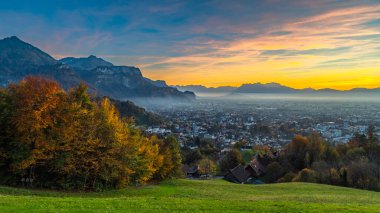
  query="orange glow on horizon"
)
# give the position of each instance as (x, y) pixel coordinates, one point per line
(334, 50)
(321, 82)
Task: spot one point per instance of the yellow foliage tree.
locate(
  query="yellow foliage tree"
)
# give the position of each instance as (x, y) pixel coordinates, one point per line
(70, 140)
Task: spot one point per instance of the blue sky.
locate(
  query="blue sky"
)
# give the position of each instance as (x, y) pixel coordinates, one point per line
(211, 42)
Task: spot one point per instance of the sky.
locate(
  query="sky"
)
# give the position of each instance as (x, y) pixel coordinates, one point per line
(298, 43)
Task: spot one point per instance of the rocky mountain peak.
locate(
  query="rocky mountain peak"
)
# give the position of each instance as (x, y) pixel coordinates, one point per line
(12, 38)
(19, 59)
(89, 63)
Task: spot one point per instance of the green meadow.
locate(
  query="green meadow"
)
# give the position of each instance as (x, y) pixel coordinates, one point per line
(196, 196)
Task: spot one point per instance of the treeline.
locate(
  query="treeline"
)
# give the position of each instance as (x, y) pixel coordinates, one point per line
(67, 139)
(305, 159)
(311, 159)
(205, 156)
(208, 155)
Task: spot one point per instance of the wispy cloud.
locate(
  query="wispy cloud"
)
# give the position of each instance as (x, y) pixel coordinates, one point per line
(297, 43)
(307, 44)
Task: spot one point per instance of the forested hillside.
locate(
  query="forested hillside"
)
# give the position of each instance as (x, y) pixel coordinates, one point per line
(138, 114)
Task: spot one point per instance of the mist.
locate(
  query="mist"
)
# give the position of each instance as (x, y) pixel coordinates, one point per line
(323, 97)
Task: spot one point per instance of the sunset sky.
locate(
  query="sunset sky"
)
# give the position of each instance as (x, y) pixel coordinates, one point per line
(297, 43)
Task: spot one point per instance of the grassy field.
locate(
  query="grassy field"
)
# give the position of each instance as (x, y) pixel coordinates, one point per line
(196, 196)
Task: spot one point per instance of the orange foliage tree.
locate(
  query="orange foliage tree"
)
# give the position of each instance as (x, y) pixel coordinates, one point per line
(53, 138)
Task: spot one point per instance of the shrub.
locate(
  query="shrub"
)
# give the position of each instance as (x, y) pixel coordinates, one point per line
(274, 172)
(207, 167)
(306, 175)
(360, 174)
(288, 177)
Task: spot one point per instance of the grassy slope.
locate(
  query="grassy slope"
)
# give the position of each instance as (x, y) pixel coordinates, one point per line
(192, 195)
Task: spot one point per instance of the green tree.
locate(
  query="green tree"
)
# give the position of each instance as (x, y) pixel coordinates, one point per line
(172, 161)
(230, 160)
(296, 152)
(193, 156)
(274, 172)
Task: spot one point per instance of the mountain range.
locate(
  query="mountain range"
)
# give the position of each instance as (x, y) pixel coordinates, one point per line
(269, 88)
(19, 59)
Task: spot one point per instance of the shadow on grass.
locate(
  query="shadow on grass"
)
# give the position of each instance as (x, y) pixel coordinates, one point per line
(125, 192)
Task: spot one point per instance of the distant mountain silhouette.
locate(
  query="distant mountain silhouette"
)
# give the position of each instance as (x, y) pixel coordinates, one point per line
(203, 89)
(264, 88)
(19, 59)
(274, 88)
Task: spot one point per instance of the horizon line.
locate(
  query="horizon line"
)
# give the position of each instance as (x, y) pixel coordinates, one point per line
(316, 89)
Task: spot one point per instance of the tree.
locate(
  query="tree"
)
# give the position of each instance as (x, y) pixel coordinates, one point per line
(296, 152)
(136, 156)
(172, 161)
(240, 144)
(193, 156)
(6, 146)
(247, 155)
(343, 176)
(371, 135)
(334, 177)
(261, 149)
(332, 156)
(34, 102)
(322, 169)
(176, 159)
(274, 171)
(288, 177)
(315, 149)
(359, 140)
(360, 174)
(207, 167)
(355, 154)
(373, 149)
(231, 160)
(374, 156)
(69, 140)
(306, 175)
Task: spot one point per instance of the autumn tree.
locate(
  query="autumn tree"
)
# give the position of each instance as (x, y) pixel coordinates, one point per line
(315, 149)
(61, 139)
(207, 167)
(5, 138)
(34, 102)
(171, 158)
